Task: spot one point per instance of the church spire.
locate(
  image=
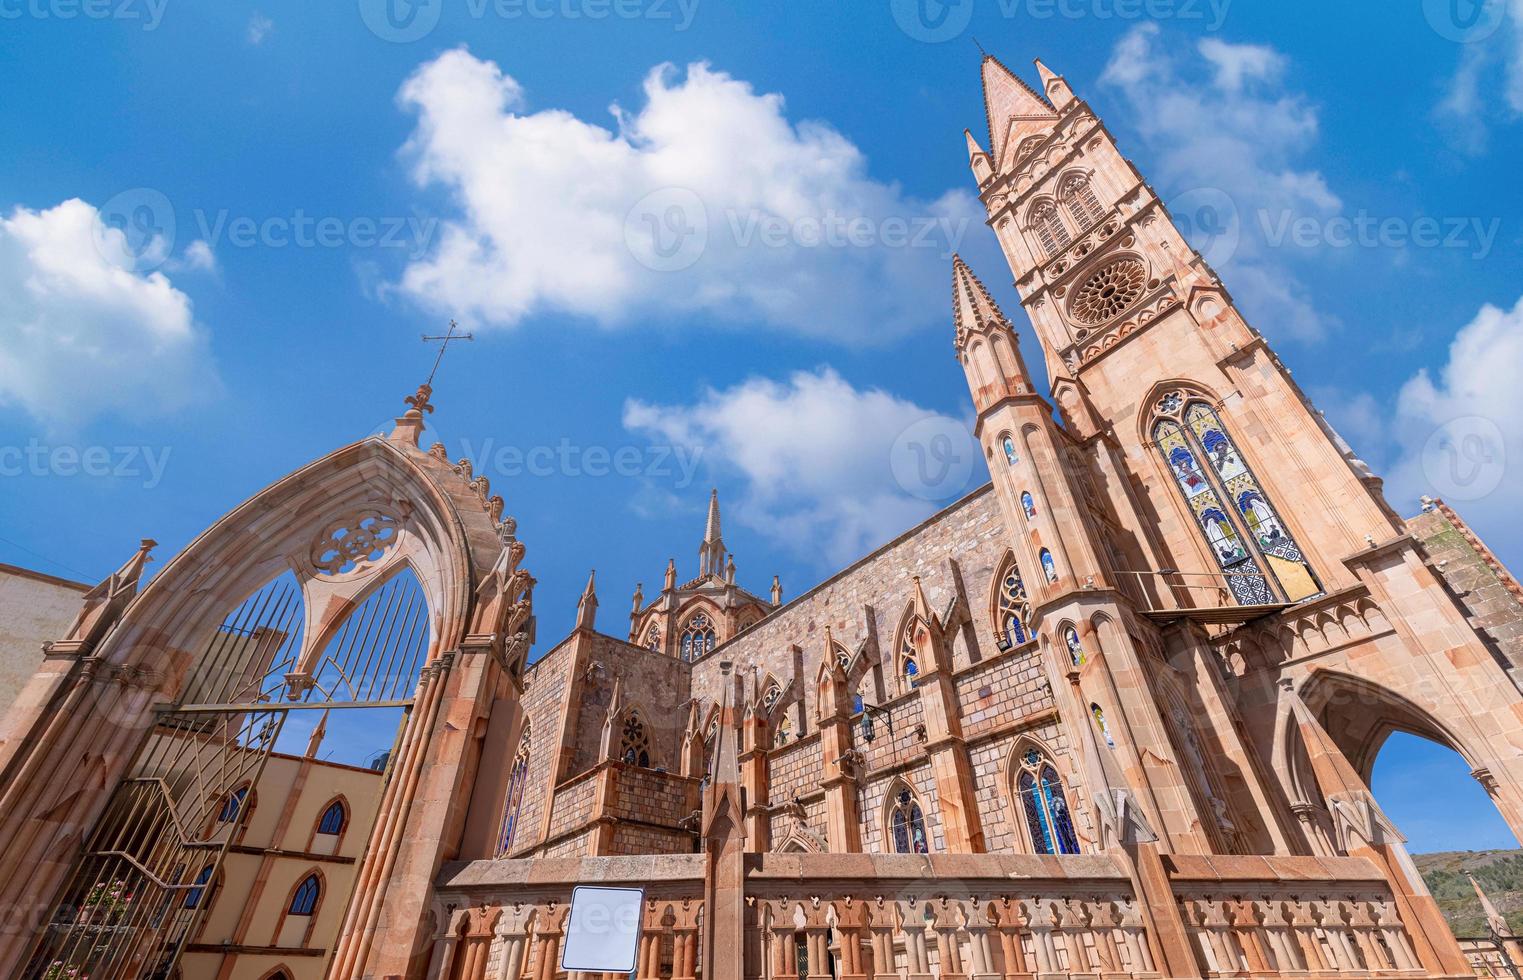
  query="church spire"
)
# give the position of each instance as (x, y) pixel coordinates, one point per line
(712, 554)
(587, 606)
(1007, 98)
(986, 344)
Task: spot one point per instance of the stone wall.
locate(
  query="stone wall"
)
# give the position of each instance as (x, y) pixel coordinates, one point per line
(1489, 593)
(34, 608)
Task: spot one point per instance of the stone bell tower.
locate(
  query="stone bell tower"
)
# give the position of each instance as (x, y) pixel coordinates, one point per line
(1144, 344)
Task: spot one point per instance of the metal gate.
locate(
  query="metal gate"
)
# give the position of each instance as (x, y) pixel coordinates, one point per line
(152, 865)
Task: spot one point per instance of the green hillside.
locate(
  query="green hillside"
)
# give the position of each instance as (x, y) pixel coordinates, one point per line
(1500, 874)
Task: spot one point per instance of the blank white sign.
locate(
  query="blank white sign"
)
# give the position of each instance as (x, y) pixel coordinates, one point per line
(603, 929)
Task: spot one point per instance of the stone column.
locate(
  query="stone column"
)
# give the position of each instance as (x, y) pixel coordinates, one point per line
(881, 922)
(851, 919)
(1011, 923)
(512, 932)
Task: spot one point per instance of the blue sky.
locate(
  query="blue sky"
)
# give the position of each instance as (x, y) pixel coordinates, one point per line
(294, 192)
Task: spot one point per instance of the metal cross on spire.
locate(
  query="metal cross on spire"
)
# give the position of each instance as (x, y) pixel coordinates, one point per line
(444, 342)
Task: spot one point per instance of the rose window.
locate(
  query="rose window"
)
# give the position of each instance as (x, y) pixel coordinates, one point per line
(1109, 291)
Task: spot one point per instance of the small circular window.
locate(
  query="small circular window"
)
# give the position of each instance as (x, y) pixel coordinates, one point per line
(1109, 290)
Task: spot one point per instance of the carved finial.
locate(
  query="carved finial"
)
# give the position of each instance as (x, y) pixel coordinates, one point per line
(777, 591)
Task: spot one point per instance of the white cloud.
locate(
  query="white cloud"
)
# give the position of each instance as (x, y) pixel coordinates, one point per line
(259, 28)
(1243, 133)
(555, 213)
(814, 455)
(81, 333)
(1491, 63)
(1459, 434)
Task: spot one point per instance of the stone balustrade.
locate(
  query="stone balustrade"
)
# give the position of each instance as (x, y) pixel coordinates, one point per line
(916, 917)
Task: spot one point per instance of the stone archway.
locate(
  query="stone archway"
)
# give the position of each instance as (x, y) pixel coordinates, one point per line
(1361, 715)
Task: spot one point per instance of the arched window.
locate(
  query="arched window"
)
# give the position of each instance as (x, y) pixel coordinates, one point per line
(771, 697)
(784, 730)
(1224, 499)
(333, 819)
(909, 660)
(194, 895)
(697, 637)
(634, 747)
(1049, 228)
(1075, 647)
(653, 637)
(1049, 567)
(1105, 730)
(856, 704)
(1011, 457)
(1028, 504)
(1012, 614)
(232, 805)
(518, 775)
(304, 899)
(1044, 805)
(907, 824)
(1079, 198)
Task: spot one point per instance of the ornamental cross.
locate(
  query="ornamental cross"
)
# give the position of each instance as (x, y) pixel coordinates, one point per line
(444, 342)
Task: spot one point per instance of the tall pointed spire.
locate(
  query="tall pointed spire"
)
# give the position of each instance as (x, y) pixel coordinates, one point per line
(1007, 97)
(587, 606)
(711, 554)
(973, 309)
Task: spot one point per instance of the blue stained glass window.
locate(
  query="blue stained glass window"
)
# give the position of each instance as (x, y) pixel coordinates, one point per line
(304, 901)
(1010, 455)
(909, 826)
(1049, 567)
(1028, 504)
(1012, 607)
(193, 896)
(232, 805)
(333, 819)
(1057, 804)
(1045, 807)
(1075, 648)
(911, 671)
(856, 703)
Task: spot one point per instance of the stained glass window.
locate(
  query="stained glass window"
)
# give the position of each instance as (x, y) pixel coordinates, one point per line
(697, 638)
(1049, 567)
(1244, 493)
(232, 805)
(1011, 626)
(513, 802)
(1011, 456)
(911, 671)
(635, 745)
(193, 895)
(1075, 647)
(908, 825)
(1027, 504)
(1213, 503)
(909, 666)
(1044, 806)
(784, 730)
(1105, 730)
(304, 901)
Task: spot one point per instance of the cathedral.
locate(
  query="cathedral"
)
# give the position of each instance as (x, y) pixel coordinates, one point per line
(1112, 715)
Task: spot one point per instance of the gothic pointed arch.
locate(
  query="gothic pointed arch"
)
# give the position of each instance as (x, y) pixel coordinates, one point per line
(634, 733)
(1009, 607)
(697, 630)
(513, 800)
(904, 820)
(907, 659)
(1254, 549)
(1040, 801)
(1047, 227)
(1077, 195)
